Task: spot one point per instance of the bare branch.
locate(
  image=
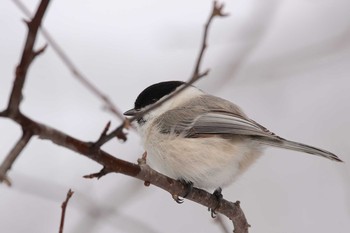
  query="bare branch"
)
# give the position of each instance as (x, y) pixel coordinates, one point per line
(27, 58)
(216, 11)
(39, 51)
(64, 207)
(69, 63)
(16, 95)
(12, 156)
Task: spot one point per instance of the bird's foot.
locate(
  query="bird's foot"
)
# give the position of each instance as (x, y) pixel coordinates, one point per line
(188, 188)
(218, 194)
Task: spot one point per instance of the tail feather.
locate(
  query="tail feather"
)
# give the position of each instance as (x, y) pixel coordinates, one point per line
(290, 145)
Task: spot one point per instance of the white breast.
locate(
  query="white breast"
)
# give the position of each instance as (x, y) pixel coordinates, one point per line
(209, 163)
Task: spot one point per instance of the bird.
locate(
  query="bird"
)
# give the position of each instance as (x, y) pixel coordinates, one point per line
(201, 139)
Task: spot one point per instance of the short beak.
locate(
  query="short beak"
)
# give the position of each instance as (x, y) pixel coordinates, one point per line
(131, 112)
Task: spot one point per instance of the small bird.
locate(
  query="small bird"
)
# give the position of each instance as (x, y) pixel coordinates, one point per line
(202, 139)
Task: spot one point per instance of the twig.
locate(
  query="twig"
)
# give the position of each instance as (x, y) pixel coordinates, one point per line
(97, 175)
(217, 11)
(12, 156)
(12, 110)
(69, 63)
(64, 207)
(27, 57)
(197, 74)
(104, 133)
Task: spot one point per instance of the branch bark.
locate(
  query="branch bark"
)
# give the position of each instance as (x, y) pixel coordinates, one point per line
(12, 156)
(13, 107)
(28, 56)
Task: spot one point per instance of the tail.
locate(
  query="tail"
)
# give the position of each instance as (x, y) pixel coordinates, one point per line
(290, 145)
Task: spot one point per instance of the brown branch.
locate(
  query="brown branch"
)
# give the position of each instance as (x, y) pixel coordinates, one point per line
(13, 154)
(27, 57)
(216, 11)
(69, 63)
(197, 74)
(64, 207)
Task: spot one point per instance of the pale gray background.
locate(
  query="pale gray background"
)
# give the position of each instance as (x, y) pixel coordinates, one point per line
(285, 62)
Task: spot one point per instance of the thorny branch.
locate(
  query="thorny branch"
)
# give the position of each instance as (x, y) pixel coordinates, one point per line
(93, 151)
(64, 207)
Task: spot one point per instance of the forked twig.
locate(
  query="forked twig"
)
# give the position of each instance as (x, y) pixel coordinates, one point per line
(16, 96)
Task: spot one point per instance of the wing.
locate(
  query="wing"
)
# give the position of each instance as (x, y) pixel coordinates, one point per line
(209, 115)
(224, 123)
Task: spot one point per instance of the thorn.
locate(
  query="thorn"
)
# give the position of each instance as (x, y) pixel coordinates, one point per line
(97, 175)
(39, 51)
(105, 130)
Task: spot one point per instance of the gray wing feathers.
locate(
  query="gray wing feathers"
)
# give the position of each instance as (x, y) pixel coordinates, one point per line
(286, 144)
(222, 123)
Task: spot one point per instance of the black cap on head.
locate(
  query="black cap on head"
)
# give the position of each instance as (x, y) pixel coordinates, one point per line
(155, 92)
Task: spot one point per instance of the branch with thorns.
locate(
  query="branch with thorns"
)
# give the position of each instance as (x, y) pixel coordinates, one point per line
(92, 150)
